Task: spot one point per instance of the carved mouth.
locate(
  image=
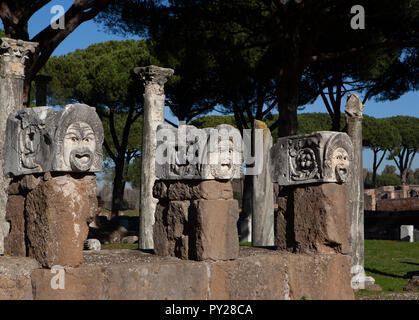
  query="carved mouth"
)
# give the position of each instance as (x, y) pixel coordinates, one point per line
(81, 160)
(342, 173)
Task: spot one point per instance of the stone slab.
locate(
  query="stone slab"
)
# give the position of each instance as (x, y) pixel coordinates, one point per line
(256, 274)
(15, 278)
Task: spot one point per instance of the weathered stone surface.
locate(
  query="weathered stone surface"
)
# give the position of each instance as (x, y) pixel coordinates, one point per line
(263, 196)
(79, 284)
(28, 149)
(15, 281)
(129, 239)
(153, 79)
(214, 232)
(13, 55)
(207, 189)
(42, 140)
(92, 244)
(58, 212)
(256, 274)
(170, 229)
(189, 153)
(78, 139)
(282, 277)
(406, 233)
(323, 156)
(354, 110)
(196, 220)
(313, 219)
(15, 241)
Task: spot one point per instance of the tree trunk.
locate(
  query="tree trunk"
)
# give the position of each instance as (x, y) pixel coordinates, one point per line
(118, 188)
(374, 170)
(336, 119)
(403, 176)
(288, 122)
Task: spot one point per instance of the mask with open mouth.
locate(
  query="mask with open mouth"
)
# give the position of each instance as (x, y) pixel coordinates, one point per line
(340, 160)
(79, 146)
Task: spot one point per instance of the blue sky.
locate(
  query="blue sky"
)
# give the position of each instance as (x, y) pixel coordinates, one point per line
(90, 32)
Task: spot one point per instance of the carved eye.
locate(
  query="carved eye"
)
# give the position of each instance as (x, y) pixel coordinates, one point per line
(86, 140)
(74, 139)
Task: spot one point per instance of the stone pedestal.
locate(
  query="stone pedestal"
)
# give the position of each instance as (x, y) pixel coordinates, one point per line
(13, 55)
(154, 79)
(58, 211)
(51, 157)
(313, 219)
(196, 220)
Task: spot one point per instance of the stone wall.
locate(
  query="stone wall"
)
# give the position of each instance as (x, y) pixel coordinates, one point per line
(131, 274)
(196, 220)
(378, 199)
(408, 204)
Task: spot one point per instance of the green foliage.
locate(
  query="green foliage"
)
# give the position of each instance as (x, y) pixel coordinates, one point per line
(408, 128)
(134, 173)
(380, 134)
(2, 34)
(213, 121)
(100, 75)
(386, 179)
(253, 55)
(388, 169)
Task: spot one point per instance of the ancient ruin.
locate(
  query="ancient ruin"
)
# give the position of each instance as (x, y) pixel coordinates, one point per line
(13, 56)
(313, 204)
(263, 195)
(51, 157)
(153, 79)
(319, 157)
(196, 216)
(354, 111)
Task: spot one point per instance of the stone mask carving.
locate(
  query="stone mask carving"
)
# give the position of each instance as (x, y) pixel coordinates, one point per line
(79, 146)
(323, 156)
(187, 153)
(78, 140)
(41, 140)
(338, 158)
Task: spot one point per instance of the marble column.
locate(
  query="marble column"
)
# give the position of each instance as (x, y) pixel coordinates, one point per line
(354, 110)
(263, 195)
(41, 82)
(13, 55)
(153, 78)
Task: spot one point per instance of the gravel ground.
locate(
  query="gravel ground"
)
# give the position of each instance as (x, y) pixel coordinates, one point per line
(391, 296)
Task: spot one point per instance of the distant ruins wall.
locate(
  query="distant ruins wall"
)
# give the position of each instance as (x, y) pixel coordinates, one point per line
(392, 198)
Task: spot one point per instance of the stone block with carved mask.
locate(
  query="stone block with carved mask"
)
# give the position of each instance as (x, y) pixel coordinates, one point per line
(319, 157)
